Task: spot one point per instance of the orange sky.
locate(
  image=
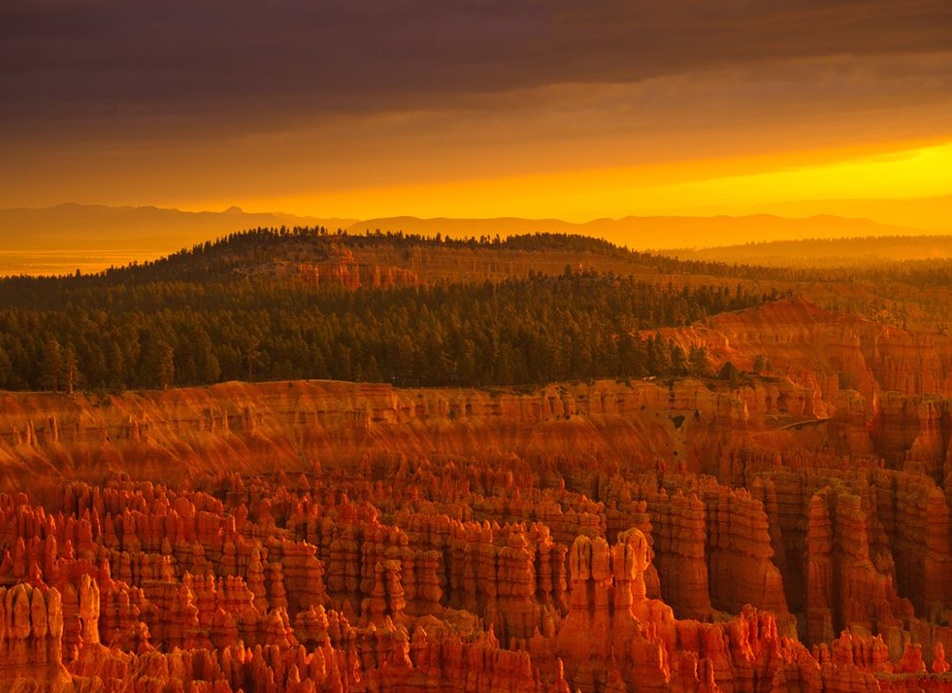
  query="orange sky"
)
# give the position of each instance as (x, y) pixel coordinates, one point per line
(488, 108)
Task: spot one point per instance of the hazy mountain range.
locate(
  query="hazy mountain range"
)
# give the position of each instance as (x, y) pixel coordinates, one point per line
(931, 214)
(93, 237)
(72, 227)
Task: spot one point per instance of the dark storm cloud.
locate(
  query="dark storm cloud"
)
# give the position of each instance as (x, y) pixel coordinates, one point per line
(65, 64)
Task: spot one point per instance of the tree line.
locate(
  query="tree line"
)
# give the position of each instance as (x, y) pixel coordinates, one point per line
(114, 335)
(236, 252)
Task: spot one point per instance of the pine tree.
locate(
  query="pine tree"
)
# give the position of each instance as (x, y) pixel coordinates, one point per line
(165, 365)
(698, 364)
(51, 365)
(70, 369)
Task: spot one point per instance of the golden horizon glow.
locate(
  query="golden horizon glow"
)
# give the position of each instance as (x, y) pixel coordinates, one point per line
(531, 110)
(691, 188)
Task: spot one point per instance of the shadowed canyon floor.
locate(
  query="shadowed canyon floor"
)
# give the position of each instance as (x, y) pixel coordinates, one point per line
(787, 530)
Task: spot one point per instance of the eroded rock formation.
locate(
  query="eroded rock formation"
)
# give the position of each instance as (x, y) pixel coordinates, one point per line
(783, 531)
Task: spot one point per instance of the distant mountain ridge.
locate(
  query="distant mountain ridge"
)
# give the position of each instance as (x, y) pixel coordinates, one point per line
(73, 226)
(70, 236)
(82, 227)
(929, 214)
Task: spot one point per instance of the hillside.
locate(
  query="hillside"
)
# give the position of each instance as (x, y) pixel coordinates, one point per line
(353, 260)
(868, 251)
(59, 240)
(307, 304)
(413, 311)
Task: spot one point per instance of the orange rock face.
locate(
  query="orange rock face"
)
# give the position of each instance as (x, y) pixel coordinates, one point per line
(783, 532)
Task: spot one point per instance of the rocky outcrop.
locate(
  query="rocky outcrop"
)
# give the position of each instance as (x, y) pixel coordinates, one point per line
(739, 553)
(31, 637)
(681, 554)
(343, 271)
(612, 628)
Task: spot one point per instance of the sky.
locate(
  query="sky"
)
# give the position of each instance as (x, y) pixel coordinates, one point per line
(473, 108)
